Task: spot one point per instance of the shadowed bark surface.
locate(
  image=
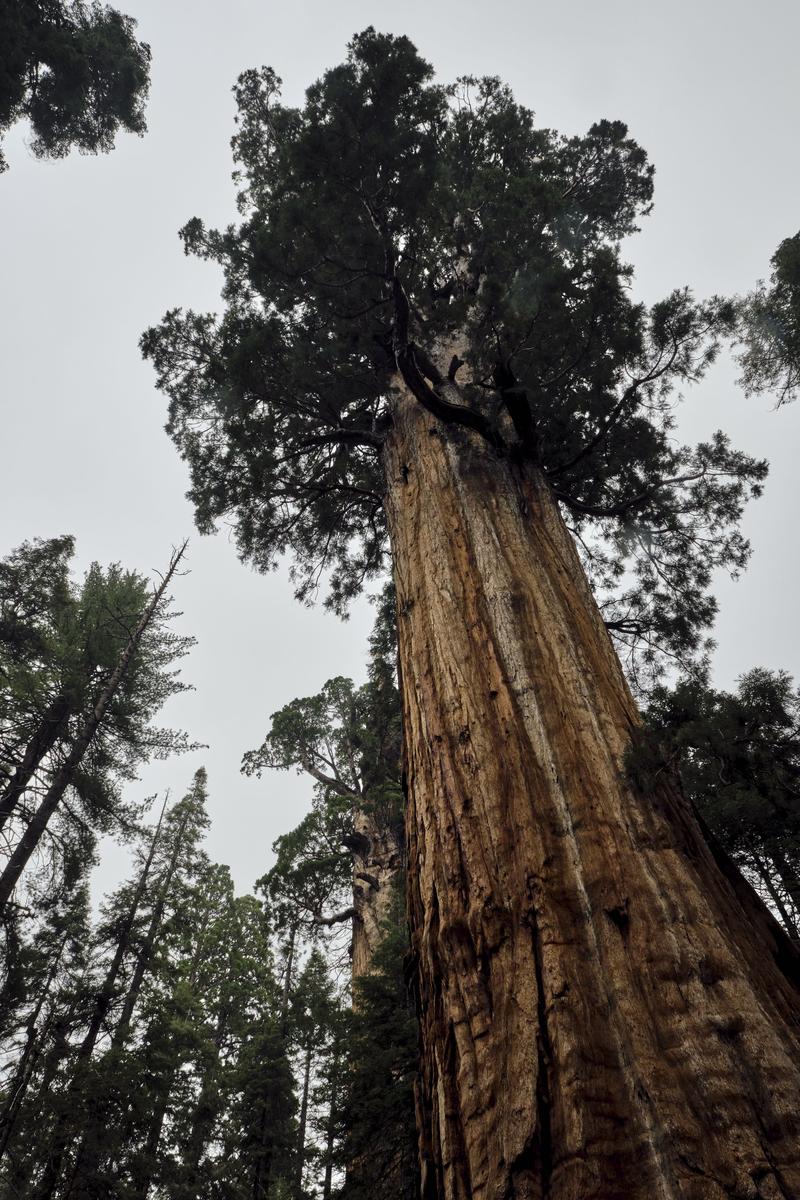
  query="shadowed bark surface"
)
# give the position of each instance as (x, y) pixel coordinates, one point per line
(607, 1009)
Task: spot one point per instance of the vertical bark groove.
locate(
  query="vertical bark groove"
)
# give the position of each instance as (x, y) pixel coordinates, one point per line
(604, 1011)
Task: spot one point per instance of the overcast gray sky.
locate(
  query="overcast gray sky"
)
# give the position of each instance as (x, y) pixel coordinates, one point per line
(89, 257)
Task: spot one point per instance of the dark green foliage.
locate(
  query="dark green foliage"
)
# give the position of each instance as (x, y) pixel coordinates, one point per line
(739, 758)
(74, 70)
(312, 873)
(36, 602)
(770, 328)
(60, 641)
(385, 214)
(379, 1136)
(347, 739)
(188, 1089)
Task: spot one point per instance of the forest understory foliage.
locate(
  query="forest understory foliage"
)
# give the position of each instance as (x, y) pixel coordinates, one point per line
(529, 940)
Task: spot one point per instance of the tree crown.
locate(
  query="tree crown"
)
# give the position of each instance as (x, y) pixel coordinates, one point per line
(386, 216)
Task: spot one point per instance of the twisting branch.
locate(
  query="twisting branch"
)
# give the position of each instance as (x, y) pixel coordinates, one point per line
(346, 914)
(415, 368)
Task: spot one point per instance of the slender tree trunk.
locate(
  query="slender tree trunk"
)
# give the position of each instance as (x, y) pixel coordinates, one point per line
(18, 1086)
(63, 776)
(148, 945)
(301, 1127)
(287, 982)
(330, 1132)
(769, 883)
(41, 743)
(607, 1009)
(83, 1113)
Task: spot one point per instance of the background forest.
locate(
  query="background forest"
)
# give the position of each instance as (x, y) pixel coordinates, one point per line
(184, 908)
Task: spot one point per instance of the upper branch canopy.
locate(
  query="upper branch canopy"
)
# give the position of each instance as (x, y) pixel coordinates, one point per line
(382, 216)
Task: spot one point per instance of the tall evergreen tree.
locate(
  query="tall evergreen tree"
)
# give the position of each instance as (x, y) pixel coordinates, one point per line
(108, 667)
(36, 608)
(97, 1089)
(429, 336)
(39, 1068)
(75, 70)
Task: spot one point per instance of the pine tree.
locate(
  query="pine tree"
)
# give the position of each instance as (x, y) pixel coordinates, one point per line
(75, 70)
(429, 345)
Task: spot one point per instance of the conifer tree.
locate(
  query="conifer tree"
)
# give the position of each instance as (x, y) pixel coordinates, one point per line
(429, 345)
(36, 604)
(37, 1069)
(739, 759)
(97, 1090)
(107, 664)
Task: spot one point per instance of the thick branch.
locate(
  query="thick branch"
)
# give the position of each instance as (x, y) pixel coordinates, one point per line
(336, 918)
(415, 367)
(329, 781)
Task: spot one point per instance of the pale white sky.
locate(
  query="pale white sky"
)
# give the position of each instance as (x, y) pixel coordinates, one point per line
(89, 257)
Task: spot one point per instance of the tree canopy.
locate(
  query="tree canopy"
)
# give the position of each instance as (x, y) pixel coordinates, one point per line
(74, 70)
(770, 328)
(739, 758)
(378, 220)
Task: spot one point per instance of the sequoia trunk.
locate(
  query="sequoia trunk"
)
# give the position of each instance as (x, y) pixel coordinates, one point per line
(606, 1008)
(377, 858)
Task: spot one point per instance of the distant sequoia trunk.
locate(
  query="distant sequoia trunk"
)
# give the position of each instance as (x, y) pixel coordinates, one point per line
(377, 858)
(607, 1010)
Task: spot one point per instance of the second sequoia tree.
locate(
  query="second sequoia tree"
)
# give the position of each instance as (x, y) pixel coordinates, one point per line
(429, 346)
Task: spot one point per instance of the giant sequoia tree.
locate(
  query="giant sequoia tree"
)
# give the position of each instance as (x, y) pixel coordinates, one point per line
(429, 345)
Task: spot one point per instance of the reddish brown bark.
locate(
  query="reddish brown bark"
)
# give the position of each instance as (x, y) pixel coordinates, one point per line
(607, 1009)
(377, 858)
